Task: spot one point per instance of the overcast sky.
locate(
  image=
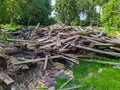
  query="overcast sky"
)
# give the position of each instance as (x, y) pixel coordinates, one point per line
(53, 12)
(53, 2)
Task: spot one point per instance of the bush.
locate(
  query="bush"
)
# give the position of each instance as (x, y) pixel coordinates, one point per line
(11, 26)
(111, 15)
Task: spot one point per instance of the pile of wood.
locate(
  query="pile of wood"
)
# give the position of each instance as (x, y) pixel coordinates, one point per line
(55, 43)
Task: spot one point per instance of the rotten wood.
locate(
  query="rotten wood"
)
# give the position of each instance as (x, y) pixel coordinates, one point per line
(24, 61)
(97, 51)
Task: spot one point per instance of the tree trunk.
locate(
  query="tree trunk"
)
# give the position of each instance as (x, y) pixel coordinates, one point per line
(11, 20)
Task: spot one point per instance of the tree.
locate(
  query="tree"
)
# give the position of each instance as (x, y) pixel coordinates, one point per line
(3, 11)
(13, 9)
(35, 11)
(89, 8)
(25, 11)
(67, 11)
(111, 14)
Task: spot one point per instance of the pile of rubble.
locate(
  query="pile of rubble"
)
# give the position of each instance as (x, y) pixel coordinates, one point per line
(45, 52)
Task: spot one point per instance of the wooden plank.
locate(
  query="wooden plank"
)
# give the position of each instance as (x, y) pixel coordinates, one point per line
(76, 56)
(6, 79)
(97, 51)
(24, 61)
(58, 40)
(62, 41)
(70, 59)
(46, 61)
(77, 33)
(19, 40)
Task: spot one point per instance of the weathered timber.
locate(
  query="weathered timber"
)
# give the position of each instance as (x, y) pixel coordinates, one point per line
(46, 61)
(22, 41)
(70, 59)
(6, 79)
(97, 51)
(76, 56)
(24, 61)
(77, 33)
(58, 40)
(62, 41)
(115, 48)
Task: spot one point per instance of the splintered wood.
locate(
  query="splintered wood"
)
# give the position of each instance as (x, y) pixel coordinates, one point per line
(56, 43)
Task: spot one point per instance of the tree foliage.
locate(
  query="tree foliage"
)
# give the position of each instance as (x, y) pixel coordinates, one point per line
(25, 11)
(67, 11)
(111, 14)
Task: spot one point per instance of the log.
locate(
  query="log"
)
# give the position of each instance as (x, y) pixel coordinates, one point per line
(24, 61)
(115, 48)
(97, 43)
(97, 51)
(22, 41)
(70, 59)
(77, 33)
(76, 56)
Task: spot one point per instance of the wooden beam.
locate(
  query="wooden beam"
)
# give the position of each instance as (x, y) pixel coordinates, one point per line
(97, 51)
(24, 61)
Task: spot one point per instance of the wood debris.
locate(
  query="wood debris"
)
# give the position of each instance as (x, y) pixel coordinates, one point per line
(46, 46)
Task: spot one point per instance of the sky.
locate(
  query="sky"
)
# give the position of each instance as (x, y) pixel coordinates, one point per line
(53, 12)
(53, 2)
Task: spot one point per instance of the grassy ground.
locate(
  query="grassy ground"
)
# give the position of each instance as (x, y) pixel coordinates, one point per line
(93, 76)
(14, 26)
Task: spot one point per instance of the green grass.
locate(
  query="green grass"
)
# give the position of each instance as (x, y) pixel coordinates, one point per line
(4, 36)
(87, 74)
(15, 27)
(111, 32)
(11, 26)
